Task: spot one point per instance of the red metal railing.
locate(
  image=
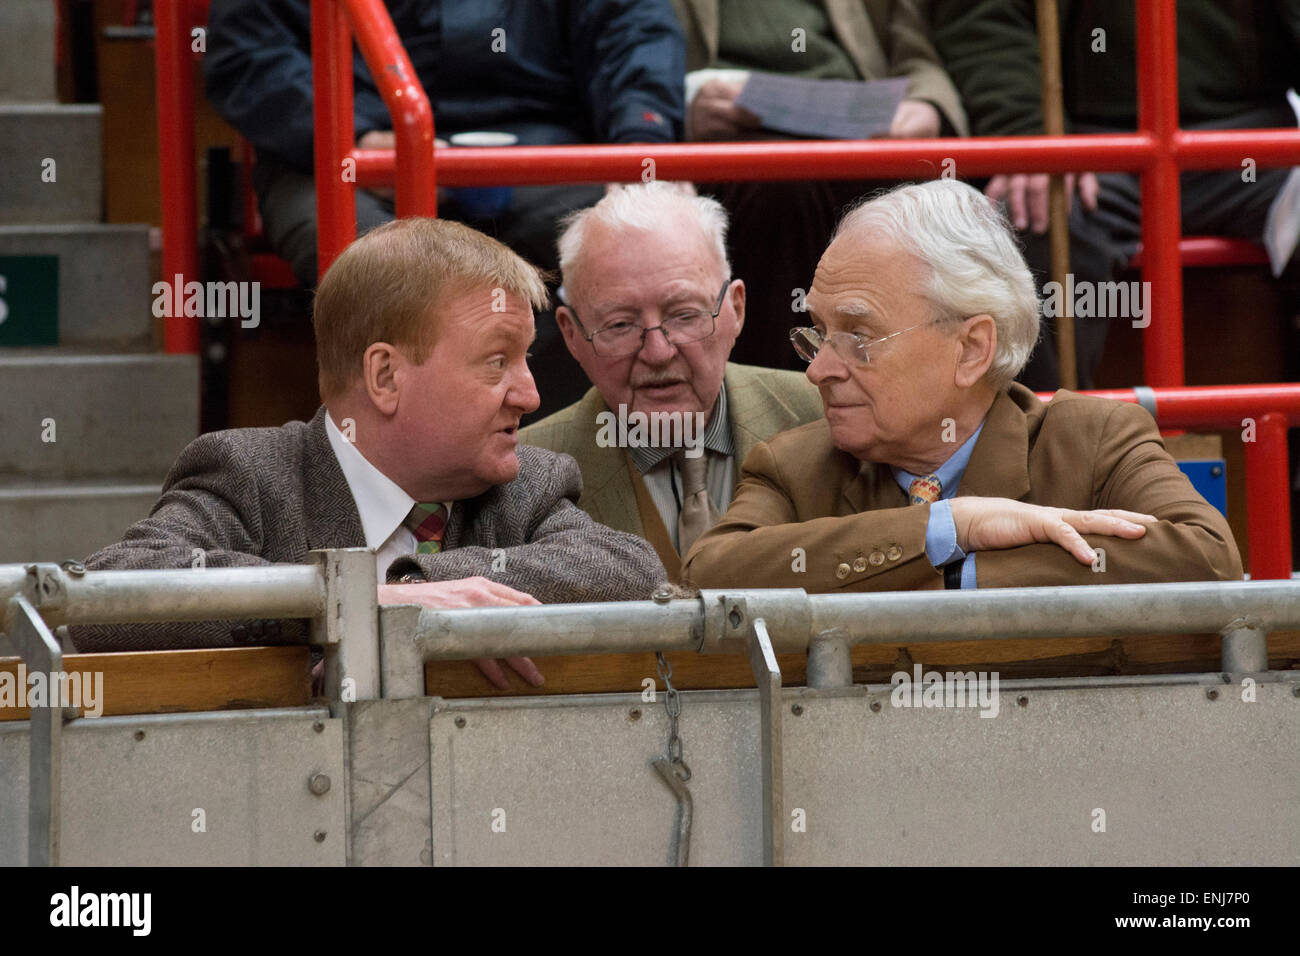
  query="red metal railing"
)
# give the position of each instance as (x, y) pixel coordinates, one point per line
(1263, 414)
(1157, 151)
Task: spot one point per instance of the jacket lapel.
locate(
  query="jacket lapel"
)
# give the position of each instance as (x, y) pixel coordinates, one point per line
(330, 519)
(999, 463)
(856, 31)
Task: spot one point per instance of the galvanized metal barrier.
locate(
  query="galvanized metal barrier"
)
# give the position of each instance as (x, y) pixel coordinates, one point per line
(1179, 765)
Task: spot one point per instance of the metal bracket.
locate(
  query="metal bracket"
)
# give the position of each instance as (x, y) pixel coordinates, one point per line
(737, 624)
(1244, 648)
(41, 653)
(349, 626)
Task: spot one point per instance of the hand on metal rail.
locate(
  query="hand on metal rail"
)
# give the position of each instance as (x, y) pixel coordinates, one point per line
(991, 524)
(1027, 196)
(470, 592)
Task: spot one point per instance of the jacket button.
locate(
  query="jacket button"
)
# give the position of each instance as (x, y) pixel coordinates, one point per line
(860, 565)
(842, 571)
(894, 552)
(877, 558)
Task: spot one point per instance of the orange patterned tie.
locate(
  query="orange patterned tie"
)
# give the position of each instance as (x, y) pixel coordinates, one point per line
(924, 490)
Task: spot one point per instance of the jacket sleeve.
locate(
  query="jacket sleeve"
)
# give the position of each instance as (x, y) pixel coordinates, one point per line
(990, 49)
(208, 517)
(257, 73)
(762, 542)
(630, 63)
(564, 556)
(1131, 470)
(911, 54)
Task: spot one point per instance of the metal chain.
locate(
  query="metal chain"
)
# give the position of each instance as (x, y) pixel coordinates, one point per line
(673, 705)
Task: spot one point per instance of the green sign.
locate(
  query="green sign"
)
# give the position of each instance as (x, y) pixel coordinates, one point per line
(29, 300)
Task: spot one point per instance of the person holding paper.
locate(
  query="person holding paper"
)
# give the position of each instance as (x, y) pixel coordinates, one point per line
(786, 225)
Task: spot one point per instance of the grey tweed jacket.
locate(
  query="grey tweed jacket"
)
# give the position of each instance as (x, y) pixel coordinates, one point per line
(257, 496)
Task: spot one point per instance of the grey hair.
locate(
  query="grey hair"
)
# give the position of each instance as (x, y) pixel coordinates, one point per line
(976, 266)
(644, 206)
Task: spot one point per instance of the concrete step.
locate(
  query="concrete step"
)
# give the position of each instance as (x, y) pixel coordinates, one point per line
(120, 418)
(69, 135)
(105, 295)
(27, 51)
(58, 522)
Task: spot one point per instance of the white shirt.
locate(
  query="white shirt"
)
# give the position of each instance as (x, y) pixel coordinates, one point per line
(381, 504)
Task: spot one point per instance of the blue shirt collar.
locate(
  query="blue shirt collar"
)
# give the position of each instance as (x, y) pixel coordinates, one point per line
(949, 472)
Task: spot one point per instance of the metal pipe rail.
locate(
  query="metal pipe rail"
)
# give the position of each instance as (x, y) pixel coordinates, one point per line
(722, 621)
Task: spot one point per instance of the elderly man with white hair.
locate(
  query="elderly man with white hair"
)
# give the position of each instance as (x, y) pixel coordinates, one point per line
(652, 313)
(932, 468)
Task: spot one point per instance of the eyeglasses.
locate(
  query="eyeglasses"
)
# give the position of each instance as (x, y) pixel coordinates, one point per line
(850, 346)
(621, 338)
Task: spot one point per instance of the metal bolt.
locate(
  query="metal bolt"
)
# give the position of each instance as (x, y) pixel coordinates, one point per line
(319, 784)
(662, 596)
(319, 836)
(460, 721)
(875, 706)
(796, 709)
(1022, 701)
(734, 618)
(139, 735)
(1212, 693)
(1215, 471)
(1295, 691)
(634, 714)
(319, 726)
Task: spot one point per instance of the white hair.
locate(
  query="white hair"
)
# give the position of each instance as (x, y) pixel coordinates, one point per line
(651, 206)
(976, 266)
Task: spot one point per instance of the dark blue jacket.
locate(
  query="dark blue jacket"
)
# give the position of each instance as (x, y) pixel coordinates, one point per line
(572, 71)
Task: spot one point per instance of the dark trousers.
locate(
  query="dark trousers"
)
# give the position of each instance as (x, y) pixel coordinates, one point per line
(287, 199)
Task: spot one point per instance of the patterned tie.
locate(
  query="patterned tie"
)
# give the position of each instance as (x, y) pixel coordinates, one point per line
(427, 523)
(698, 513)
(924, 490)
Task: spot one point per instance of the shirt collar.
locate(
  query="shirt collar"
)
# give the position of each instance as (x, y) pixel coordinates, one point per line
(382, 505)
(717, 437)
(949, 473)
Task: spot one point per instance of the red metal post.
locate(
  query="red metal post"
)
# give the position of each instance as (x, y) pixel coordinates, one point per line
(1157, 35)
(331, 43)
(177, 170)
(1268, 488)
(407, 105)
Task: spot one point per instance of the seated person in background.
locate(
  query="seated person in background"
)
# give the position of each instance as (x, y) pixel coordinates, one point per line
(933, 468)
(786, 225)
(549, 72)
(422, 333)
(652, 313)
(1236, 62)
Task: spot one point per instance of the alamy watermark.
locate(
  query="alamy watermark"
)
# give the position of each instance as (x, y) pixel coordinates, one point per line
(81, 689)
(208, 300)
(1099, 300)
(949, 689)
(651, 430)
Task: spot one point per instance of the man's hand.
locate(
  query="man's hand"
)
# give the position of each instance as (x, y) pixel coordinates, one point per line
(990, 524)
(470, 592)
(1027, 196)
(915, 119)
(713, 114)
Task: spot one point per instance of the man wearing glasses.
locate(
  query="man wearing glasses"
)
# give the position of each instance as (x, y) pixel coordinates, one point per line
(933, 468)
(652, 313)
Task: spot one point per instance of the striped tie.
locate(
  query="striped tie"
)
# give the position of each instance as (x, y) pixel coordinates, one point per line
(924, 490)
(427, 523)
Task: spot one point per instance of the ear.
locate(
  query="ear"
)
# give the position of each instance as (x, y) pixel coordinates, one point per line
(379, 370)
(737, 296)
(978, 341)
(573, 338)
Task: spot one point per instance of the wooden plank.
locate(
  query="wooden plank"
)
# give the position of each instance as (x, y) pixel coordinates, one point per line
(161, 682)
(1028, 657)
